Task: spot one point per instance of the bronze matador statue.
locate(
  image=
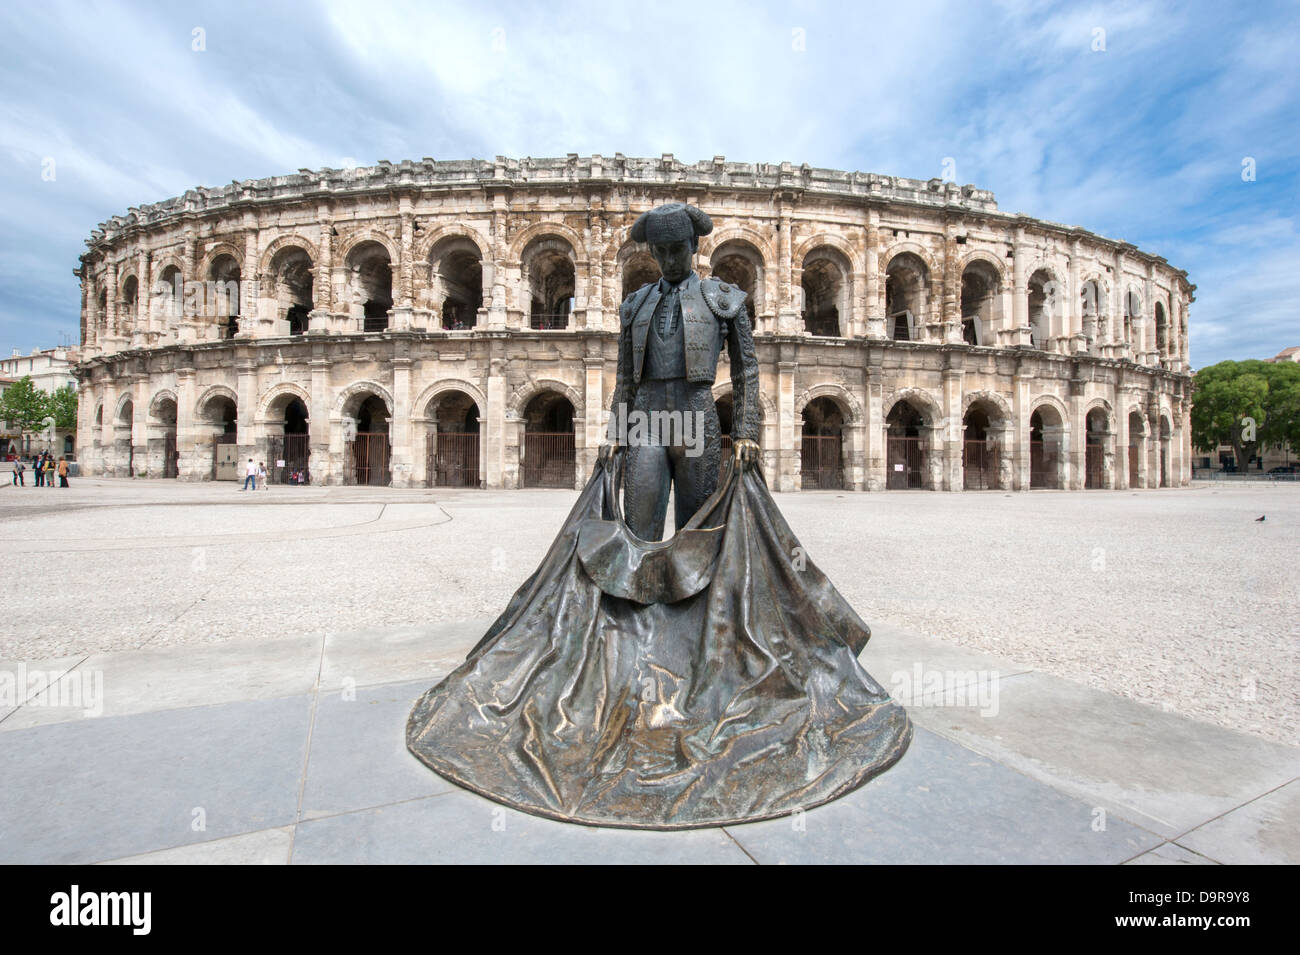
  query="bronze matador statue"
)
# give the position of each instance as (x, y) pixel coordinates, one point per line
(670, 335)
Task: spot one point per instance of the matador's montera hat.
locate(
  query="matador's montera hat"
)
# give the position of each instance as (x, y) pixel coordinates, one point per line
(671, 222)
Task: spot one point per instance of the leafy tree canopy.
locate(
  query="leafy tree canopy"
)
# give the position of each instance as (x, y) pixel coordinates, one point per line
(1247, 404)
(24, 406)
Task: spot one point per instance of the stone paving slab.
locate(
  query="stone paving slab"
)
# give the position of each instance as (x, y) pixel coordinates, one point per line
(463, 828)
(1265, 830)
(265, 847)
(98, 789)
(1162, 771)
(358, 752)
(942, 803)
(1171, 853)
(142, 681)
(411, 653)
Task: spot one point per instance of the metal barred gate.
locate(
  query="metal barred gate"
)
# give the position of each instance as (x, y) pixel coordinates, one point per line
(1044, 469)
(1092, 472)
(295, 451)
(549, 459)
(170, 455)
(819, 462)
(979, 466)
(905, 463)
(451, 459)
(1134, 466)
(367, 459)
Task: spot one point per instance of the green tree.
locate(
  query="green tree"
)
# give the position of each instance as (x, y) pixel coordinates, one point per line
(1247, 404)
(24, 406)
(63, 405)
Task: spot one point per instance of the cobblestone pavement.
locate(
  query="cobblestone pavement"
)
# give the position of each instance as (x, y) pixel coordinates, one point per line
(1178, 598)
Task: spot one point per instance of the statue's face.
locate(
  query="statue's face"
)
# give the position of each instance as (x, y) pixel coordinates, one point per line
(674, 258)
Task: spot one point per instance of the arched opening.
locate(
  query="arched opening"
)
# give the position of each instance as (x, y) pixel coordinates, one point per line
(452, 441)
(825, 293)
(123, 445)
(981, 451)
(223, 303)
(456, 280)
(740, 264)
(907, 289)
(1136, 448)
(1097, 434)
(549, 452)
(127, 308)
(370, 273)
(368, 455)
(1132, 314)
(161, 438)
(1094, 325)
(169, 290)
(1046, 448)
(821, 451)
(1165, 434)
(288, 450)
(218, 425)
(640, 269)
(907, 451)
(979, 286)
(550, 278)
(1042, 307)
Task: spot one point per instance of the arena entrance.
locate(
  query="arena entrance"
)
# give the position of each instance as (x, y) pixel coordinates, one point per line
(821, 451)
(220, 418)
(367, 460)
(550, 457)
(1095, 450)
(980, 458)
(906, 453)
(1165, 435)
(451, 457)
(293, 447)
(162, 437)
(1046, 430)
(1136, 448)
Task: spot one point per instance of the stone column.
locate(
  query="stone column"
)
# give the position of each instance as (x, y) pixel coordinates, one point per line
(951, 435)
(787, 462)
(1019, 294)
(1077, 458)
(494, 275)
(950, 289)
(1021, 411)
(1122, 450)
(318, 423)
(400, 426)
(875, 292)
(143, 299)
(403, 294)
(322, 294)
(190, 463)
(246, 391)
(874, 452)
(498, 427)
(593, 400)
(140, 424)
(787, 319)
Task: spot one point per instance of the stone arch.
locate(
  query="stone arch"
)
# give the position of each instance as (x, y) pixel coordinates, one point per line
(907, 245)
(347, 397)
(353, 239)
(291, 240)
(216, 252)
(424, 249)
(829, 240)
(738, 233)
(429, 394)
(766, 406)
(126, 399)
(824, 278)
(921, 399)
(526, 392)
(1103, 404)
(540, 230)
(277, 391)
(990, 397)
(837, 393)
(165, 394)
(1056, 405)
(989, 259)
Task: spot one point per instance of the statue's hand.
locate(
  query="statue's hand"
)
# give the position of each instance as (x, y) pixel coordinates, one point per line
(607, 451)
(746, 452)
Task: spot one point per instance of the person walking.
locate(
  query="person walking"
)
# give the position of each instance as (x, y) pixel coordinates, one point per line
(63, 472)
(49, 469)
(250, 476)
(38, 473)
(19, 468)
(261, 474)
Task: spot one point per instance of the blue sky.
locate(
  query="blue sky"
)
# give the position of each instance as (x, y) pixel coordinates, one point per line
(1142, 141)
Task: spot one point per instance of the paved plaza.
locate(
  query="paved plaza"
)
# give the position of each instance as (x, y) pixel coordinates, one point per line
(1095, 677)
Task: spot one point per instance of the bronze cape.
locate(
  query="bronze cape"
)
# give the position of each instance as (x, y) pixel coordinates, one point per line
(705, 680)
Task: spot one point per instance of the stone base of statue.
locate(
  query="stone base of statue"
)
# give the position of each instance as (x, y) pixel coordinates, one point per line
(705, 680)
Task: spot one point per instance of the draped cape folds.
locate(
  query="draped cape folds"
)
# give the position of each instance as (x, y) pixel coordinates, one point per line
(706, 680)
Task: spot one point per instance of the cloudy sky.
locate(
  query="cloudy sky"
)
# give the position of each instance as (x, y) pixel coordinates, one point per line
(1142, 140)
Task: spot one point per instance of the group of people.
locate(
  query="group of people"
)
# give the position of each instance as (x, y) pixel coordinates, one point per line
(254, 473)
(44, 469)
